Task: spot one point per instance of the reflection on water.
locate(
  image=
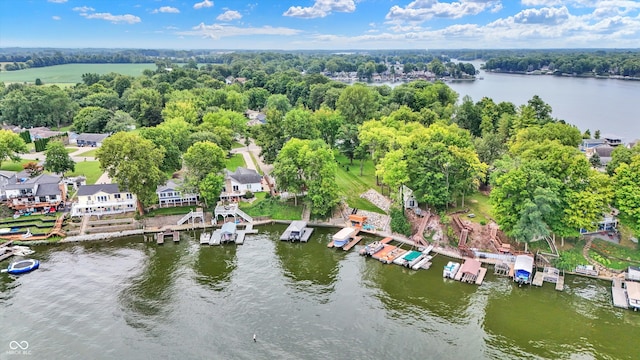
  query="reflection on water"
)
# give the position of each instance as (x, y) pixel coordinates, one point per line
(130, 299)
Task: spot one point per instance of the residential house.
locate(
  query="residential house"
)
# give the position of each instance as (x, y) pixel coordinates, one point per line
(604, 152)
(42, 132)
(103, 199)
(93, 140)
(6, 178)
(39, 193)
(633, 143)
(237, 183)
(633, 273)
(171, 194)
(588, 145)
(255, 117)
(410, 201)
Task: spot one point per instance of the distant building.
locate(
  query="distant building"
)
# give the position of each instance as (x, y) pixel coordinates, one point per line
(93, 140)
(39, 193)
(38, 133)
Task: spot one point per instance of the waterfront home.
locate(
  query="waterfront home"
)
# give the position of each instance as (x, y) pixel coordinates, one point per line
(523, 269)
(103, 199)
(172, 194)
(93, 140)
(237, 183)
(39, 193)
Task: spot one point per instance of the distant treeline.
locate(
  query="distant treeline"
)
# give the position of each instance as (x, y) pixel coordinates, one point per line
(600, 63)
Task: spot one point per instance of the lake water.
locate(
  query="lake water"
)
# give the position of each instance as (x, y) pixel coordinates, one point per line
(135, 300)
(606, 104)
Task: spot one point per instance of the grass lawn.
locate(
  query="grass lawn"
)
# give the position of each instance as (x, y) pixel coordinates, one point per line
(236, 145)
(89, 169)
(571, 258)
(14, 166)
(253, 158)
(71, 149)
(235, 161)
(351, 184)
(273, 208)
(177, 210)
(89, 153)
(479, 205)
(614, 256)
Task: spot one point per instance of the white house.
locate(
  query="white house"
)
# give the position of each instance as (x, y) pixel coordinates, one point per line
(236, 184)
(170, 194)
(103, 199)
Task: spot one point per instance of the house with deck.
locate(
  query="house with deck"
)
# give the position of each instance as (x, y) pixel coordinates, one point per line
(237, 183)
(6, 178)
(103, 199)
(173, 194)
(92, 140)
(31, 194)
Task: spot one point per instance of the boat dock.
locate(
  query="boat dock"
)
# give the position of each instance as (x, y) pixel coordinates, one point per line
(355, 239)
(471, 272)
(237, 236)
(619, 293)
(551, 275)
(174, 234)
(297, 231)
(5, 251)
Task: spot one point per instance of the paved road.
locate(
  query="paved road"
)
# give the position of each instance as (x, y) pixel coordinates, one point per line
(255, 150)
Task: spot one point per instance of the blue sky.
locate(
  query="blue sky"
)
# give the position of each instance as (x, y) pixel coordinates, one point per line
(320, 24)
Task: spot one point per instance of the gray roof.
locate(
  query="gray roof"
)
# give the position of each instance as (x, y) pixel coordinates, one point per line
(48, 189)
(85, 190)
(171, 185)
(7, 174)
(604, 151)
(228, 228)
(245, 176)
(298, 225)
(92, 137)
(30, 182)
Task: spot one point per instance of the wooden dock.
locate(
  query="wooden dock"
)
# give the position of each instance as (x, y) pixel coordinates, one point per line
(382, 253)
(551, 275)
(216, 236)
(174, 234)
(352, 243)
(248, 229)
(619, 293)
(481, 274)
(6, 252)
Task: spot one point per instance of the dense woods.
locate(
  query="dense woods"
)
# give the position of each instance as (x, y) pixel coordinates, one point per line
(417, 134)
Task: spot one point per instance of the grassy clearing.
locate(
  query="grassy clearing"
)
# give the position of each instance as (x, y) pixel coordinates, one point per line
(236, 145)
(235, 161)
(273, 208)
(614, 256)
(70, 73)
(14, 165)
(351, 184)
(477, 204)
(570, 259)
(89, 169)
(255, 162)
(177, 210)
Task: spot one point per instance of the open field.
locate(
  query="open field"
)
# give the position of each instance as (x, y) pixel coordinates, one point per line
(89, 169)
(13, 166)
(351, 184)
(70, 73)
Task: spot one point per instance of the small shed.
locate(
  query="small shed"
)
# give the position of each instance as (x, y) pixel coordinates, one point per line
(471, 267)
(633, 273)
(357, 220)
(523, 269)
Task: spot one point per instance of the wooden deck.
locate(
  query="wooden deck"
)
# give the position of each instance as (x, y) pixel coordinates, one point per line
(619, 294)
(550, 275)
(392, 255)
(174, 234)
(387, 249)
(481, 274)
(352, 243)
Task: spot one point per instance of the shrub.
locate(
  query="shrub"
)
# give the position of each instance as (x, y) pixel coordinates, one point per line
(249, 195)
(399, 223)
(483, 223)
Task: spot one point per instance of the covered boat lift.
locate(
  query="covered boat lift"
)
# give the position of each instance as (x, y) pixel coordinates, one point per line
(523, 269)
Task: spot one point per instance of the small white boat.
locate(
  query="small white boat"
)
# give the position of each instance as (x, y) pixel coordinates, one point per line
(450, 270)
(205, 237)
(22, 266)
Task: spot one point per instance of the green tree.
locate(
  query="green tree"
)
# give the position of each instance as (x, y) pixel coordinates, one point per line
(57, 159)
(91, 119)
(120, 121)
(11, 145)
(329, 122)
(299, 123)
(357, 103)
(132, 162)
(203, 158)
(144, 105)
(210, 188)
(627, 183)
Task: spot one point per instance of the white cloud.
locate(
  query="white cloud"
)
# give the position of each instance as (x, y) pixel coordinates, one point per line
(116, 19)
(55, 17)
(203, 4)
(229, 15)
(541, 2)
(548, 16)
(321, 8)
(423, 10)
(83, 9)
(57, 1)
(166, 9)
(217, 31)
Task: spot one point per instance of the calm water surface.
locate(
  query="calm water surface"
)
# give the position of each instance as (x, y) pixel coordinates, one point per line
(606, 104)
(134, 300)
